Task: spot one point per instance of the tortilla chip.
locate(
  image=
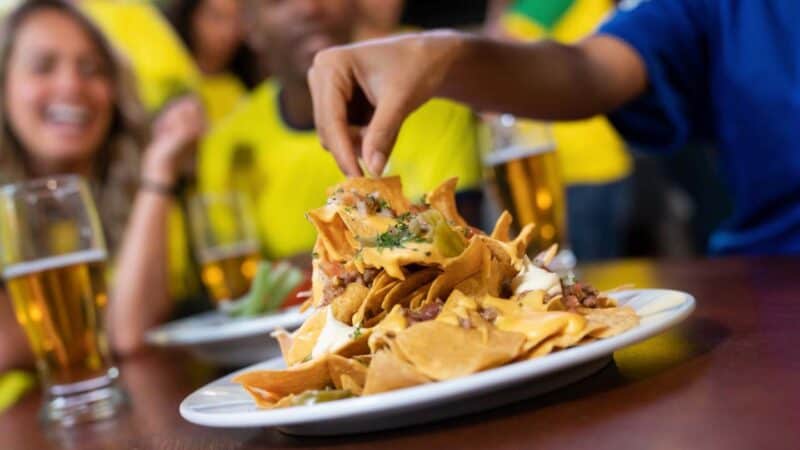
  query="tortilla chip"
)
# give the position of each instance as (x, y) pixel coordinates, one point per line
(441, 351)
(457, 308)
(400, 293)
(388, 372)
(389, 189)
(349, 384)
(347, 371)
(371, 306)
(304, 339)
(294, 380)
(611, 321)
(333, 235)
(502, 227)
(443, 199)
(538, 326)
(457, 270)
(346, 304)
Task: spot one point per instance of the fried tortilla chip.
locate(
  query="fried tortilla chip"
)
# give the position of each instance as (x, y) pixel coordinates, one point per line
(346, 304)
(346, 371)
(400, 293)
(611, 321)
(442, 351)
(371, 306)
(502, 227)
(304, 339)
(265, 385)
(457, 270)
(388, 372)
(443, 199)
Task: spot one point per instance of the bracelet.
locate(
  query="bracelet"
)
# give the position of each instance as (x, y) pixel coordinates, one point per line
(157, 187)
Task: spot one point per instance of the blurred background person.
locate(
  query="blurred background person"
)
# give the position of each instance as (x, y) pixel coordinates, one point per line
(212, 31)
(269, 149)
(595, 165)
(377, 18)
(69, 106)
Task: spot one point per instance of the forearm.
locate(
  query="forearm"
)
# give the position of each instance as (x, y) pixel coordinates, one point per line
(543, 80)
(140, 295)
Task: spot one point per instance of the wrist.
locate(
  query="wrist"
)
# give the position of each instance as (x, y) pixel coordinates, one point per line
(158, 170)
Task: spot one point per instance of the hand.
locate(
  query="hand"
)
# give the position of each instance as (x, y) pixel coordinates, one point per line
(363, 92)
(175, 133)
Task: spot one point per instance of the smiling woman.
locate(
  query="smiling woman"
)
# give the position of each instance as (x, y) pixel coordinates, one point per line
(68, 106)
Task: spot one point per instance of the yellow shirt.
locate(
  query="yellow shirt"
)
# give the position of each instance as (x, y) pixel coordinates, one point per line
(590, 150)
(286, 172)
(161, 63)
(221, 94)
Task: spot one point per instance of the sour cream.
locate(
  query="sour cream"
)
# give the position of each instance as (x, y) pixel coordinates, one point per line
(334, 335)
(534, 278)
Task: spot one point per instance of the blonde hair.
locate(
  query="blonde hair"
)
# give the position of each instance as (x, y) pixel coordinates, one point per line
(116, 164)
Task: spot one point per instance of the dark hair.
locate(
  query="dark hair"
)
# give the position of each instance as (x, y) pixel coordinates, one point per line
(243, 64)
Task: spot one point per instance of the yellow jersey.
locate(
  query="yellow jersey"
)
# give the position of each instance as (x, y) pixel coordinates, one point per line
(162, 65)
(590, 151)
(286, 172)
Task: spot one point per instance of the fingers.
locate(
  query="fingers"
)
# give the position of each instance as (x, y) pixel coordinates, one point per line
(382, 132)
(331, 87)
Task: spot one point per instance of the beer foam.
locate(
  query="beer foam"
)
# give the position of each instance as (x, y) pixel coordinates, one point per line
(507, 154)
(229, 251)
(53, 262)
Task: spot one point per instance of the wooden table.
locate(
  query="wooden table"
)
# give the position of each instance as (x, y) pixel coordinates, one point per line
(729, 378)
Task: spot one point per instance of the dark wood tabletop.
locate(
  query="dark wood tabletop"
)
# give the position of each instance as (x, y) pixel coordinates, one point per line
(728, 378)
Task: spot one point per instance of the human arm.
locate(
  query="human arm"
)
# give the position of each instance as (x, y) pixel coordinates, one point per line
(140, 294)
(388, 79)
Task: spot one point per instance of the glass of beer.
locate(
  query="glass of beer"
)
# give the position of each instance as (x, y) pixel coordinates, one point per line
(524, 176)
(53, 256)
(225, 242)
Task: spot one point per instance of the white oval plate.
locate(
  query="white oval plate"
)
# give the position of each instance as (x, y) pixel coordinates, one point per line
(225, 404)
(220, 339)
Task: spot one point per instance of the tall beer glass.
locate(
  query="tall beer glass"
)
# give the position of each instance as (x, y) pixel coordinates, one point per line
(523, 171)
(224, 236)
(53, 257)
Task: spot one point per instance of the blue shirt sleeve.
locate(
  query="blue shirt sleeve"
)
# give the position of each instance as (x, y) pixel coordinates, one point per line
(671, 38)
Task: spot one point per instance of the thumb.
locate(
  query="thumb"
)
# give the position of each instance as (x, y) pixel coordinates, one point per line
(381, 134)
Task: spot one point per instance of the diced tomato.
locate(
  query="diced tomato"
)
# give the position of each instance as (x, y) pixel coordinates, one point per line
(292, 299)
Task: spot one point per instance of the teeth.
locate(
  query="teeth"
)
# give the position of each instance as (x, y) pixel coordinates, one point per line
(67, 114)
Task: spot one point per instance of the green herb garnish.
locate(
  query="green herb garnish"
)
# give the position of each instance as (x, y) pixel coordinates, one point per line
(397, 236)
(356, 332)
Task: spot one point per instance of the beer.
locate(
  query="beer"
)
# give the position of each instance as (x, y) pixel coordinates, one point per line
(528, 183)
(59, 302)
(228, 272)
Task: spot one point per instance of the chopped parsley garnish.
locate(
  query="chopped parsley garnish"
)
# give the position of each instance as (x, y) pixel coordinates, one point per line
(356, 332)
(397, 236)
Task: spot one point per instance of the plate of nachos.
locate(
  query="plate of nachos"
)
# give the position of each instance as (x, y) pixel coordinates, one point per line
(416, 316)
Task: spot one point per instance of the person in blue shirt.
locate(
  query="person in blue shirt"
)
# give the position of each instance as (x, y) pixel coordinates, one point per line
(665, 71)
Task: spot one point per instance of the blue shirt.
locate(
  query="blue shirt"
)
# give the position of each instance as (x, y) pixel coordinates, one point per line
(728, 70)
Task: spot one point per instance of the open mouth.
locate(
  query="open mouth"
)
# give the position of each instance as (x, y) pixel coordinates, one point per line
(67, 115)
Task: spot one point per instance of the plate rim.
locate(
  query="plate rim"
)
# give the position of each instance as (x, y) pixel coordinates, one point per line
(245, 328)
(432, 393)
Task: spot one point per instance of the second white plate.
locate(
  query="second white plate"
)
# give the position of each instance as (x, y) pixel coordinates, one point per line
(220, 339)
